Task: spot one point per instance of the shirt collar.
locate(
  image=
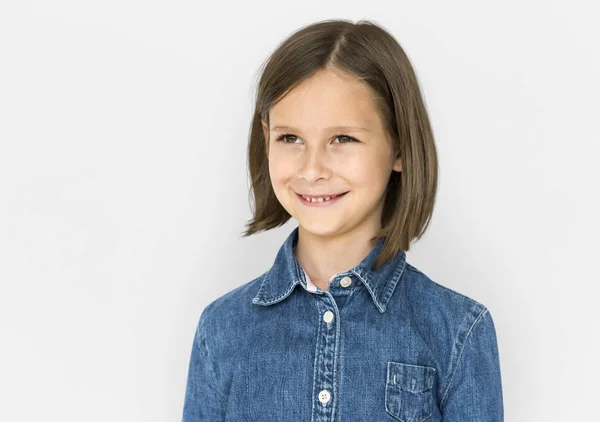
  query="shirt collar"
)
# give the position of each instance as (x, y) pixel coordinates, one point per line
(286, 273)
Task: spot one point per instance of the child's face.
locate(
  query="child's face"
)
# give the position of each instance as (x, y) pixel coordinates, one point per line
(312, 159)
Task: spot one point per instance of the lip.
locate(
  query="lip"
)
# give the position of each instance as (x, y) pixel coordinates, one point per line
(321, 204)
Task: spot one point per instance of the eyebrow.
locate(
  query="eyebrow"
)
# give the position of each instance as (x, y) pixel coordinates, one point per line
(331, 129)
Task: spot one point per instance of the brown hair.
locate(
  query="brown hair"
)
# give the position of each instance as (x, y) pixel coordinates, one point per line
(373, 55)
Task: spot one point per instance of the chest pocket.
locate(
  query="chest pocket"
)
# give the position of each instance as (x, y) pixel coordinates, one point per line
(409, 391)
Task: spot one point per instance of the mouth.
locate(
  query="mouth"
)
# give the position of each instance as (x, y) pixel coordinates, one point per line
(321, 201)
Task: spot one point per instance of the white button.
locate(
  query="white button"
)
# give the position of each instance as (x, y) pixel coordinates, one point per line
(324, 396)
(328, 317)
(345, 282)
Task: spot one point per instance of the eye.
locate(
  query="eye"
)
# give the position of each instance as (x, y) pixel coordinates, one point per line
(349, 139)
(344, 139)
(283, 137)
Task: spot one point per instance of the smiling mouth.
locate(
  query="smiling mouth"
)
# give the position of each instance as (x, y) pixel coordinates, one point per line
(320, 199)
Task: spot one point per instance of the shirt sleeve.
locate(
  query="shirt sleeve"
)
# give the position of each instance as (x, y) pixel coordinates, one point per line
(474, 392)
(203, 401)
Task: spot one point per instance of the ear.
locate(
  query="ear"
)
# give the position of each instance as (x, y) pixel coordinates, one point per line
(398, 163)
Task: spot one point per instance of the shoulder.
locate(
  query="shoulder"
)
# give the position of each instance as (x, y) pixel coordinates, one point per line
(231, 305)
(439, 303)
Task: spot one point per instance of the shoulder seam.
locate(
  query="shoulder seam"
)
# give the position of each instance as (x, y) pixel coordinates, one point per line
(458, 360)
(205, 352)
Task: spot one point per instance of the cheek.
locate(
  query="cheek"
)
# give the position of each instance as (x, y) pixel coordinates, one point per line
(280, 169)
(366, 172)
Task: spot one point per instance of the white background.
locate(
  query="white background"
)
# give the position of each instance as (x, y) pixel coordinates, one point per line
(124, 190)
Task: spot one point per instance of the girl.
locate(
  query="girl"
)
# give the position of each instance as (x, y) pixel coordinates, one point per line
(342, 327)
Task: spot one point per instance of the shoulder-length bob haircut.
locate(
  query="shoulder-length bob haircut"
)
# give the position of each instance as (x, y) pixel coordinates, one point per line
(373, 55)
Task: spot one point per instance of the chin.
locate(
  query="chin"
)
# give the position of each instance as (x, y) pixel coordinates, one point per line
(320, 228)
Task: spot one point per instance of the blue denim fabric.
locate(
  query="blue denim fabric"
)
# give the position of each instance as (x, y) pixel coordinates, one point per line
(393, 345)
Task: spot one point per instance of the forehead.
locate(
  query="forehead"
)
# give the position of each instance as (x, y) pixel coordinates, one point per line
(327, 98)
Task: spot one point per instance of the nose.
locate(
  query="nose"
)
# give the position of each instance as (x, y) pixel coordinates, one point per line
(314, 164)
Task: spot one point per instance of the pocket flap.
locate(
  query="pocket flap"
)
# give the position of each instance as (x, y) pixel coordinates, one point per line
(415, 378)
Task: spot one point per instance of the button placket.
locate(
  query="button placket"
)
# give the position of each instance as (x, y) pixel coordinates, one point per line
(327, 360)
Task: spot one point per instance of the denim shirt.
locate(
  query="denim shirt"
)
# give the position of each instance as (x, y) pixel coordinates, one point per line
(379, 345)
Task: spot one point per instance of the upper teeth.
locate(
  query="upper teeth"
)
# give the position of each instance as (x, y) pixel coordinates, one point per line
(317, 199)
